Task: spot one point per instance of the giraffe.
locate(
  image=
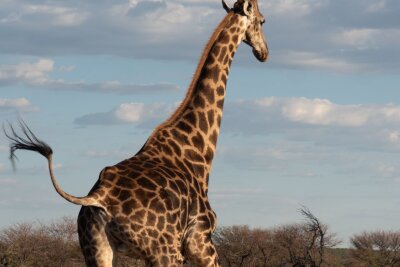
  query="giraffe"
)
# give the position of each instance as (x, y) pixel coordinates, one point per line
(154, 205)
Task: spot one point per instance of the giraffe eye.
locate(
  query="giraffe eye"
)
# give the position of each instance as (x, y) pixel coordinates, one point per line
(262, 21)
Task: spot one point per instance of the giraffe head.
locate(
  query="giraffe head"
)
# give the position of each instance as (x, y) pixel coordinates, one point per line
(254, 36)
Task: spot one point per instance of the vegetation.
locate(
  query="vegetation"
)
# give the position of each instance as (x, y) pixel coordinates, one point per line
(376, 249)
(307, 244)
(40, 245)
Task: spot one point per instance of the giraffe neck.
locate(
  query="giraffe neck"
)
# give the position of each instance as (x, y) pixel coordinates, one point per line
(194, 126)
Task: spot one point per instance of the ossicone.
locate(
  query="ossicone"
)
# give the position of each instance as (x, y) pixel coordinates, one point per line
(225, 6)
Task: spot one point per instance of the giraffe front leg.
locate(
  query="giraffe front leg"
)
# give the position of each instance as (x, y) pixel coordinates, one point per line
(201, 251)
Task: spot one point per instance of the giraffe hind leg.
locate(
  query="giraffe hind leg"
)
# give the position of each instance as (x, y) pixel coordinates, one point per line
(96, 246)
(201, 251)
(165, 261)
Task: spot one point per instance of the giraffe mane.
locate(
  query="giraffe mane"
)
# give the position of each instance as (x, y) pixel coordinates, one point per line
(197, 73)
(206, 51)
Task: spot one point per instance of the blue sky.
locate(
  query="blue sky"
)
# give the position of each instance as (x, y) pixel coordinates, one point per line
(317, 125)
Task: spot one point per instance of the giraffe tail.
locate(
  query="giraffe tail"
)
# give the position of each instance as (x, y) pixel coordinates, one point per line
(30, 142)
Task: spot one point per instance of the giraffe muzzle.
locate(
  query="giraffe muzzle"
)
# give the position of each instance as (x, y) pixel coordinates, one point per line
(261, 55)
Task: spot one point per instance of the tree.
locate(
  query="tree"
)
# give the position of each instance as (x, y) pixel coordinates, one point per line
(233, 244)
(241, 246)
(298, 245)
(304, 244)
(294, 245)
(40, 245)
(52, 245)
(379, 248)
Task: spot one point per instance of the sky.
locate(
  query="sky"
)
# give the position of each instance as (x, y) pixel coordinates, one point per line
(317, 125)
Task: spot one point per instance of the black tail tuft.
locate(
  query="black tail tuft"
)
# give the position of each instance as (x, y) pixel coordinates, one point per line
(28, 142)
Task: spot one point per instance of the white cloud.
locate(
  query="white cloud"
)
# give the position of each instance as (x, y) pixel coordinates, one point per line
(10, 18)
(30, 73)
(310, 133)
(139, 112)
(377, 6)
(357, 37)
(131, 112)
(161, 21)
(295, 8)
(312, 139)
(297, 118)
(322, 112)
(143, 115)
(368, 38)
(177, 29)
(394, 136)
(370, 127)
(54, 15)
(387, 171)
(16, 104)
(38, 75)
(311, 60)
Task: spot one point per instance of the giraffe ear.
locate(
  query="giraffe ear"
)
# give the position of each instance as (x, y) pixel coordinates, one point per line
(247, 7)
(225, 6)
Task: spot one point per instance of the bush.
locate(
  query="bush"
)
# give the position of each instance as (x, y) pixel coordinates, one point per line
(379, 248)
(40, 245)
(305, 244)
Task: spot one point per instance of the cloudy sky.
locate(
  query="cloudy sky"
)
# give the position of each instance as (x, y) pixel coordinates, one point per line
(317, 125)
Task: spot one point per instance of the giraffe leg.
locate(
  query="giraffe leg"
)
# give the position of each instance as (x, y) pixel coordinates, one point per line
(95, 244)
(165, 261)
(201, 251)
